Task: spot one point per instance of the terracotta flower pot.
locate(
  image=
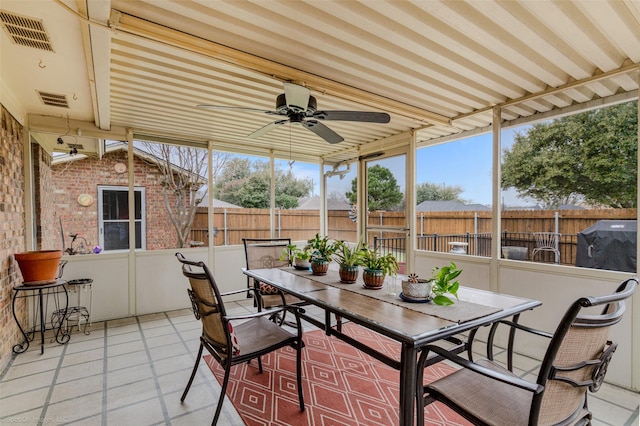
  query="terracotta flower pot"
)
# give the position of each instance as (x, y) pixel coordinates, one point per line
(348, 274)
(39, 266)
(373, 277)
(319, 267)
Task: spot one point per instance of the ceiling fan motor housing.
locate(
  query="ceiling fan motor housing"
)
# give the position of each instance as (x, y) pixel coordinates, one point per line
(282, 107)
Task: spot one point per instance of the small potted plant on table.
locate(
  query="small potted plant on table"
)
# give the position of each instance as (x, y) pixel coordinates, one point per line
(443, 281)
(300, 258)
(321, 248)
(377, 267)
(349, 260)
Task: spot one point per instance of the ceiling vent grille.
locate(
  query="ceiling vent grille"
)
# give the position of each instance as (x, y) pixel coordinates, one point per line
(26, 31)
(51, 99)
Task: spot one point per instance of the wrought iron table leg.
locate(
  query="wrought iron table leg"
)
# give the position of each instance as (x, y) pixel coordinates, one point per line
(19, 347)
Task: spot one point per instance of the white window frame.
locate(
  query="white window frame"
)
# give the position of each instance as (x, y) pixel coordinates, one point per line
(143, 225)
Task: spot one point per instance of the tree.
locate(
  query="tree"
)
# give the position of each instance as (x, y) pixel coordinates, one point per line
(184, 171)
(589, 157)
(383, 191)
(434, 192)
(247, 184)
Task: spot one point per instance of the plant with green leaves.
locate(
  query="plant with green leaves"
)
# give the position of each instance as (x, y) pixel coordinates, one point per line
(293, 252)
(445, 282)
(345, 255)
(321, 248)
(387, 263)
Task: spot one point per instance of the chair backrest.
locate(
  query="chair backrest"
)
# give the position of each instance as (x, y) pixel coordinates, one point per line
(578, 355)
(207, 305)
(546, 240)
(265, 253)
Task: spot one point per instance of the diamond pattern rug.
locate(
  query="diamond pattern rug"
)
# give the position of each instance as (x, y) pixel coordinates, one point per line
(342, 385)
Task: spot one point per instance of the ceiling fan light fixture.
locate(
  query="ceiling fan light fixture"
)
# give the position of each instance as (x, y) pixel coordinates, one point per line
(297, 97)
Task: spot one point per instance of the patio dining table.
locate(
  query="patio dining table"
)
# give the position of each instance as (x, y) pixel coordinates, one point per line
(412, 325)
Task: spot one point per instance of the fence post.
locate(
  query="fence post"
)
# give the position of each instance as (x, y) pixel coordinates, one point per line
(435, 242)
(225, 228)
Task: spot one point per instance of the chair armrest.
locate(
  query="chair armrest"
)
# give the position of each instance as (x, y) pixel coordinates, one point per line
(227, 293)
(527, 329)
(485, 371)
(254, 314)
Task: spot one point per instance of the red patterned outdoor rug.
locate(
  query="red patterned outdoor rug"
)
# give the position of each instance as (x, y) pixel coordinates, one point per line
(342, 386)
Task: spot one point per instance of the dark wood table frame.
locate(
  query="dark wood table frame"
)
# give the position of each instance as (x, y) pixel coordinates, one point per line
(412, 329)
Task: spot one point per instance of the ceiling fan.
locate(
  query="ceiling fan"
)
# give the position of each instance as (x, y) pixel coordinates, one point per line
(298, 106)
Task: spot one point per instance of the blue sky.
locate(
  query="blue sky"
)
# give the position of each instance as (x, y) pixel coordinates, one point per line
(465, 163)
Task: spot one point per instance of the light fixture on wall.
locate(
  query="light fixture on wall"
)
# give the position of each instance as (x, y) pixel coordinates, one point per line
(73, 151)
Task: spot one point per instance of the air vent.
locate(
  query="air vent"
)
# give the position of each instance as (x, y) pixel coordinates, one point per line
(53, 99)
(26, 31)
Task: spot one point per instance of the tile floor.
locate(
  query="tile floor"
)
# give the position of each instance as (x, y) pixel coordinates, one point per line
(132, 372)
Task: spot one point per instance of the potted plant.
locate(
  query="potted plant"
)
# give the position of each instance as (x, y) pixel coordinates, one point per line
(445, 282)
(300, 258)
(321, 248)
(377, 267)
(416, 288)
(349, 260)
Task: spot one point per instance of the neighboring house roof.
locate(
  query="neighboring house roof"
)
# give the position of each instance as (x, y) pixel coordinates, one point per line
(449, 206)
(217, 203)
(313, 203)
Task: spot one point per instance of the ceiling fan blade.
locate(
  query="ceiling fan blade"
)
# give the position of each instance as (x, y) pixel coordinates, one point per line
(363, 116)
(234, 108)
(266, 129)
(297, 97)
(323, 131)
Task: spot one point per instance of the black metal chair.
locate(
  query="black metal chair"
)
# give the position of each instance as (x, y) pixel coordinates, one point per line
(264, 253)
(230, 345)
(576, 360)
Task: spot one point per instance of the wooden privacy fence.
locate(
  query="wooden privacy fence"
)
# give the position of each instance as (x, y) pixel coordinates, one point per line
(435, 230)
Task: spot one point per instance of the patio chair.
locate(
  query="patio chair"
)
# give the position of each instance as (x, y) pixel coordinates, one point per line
(230, 345)
(575, 361)
(547, 241)
(263, 253)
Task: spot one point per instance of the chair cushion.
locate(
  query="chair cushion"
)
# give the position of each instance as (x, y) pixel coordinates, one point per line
(274, 300)
(234, 340)
(268, 289)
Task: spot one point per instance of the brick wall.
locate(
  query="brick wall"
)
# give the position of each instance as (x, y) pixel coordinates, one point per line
(72, 179)
(12, 231)
(45, 212)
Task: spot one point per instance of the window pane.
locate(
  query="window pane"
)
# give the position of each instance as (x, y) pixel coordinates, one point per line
(453, 196)
(297, 199)
(569, 190)
(116, 236)
(342, 220)
(174, 178)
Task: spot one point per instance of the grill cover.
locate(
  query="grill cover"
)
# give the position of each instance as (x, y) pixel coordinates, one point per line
(608, 244)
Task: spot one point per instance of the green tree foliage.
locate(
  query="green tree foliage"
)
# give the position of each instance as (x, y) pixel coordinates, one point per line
(589, 157)
(434, 192)
(383, 190)
(247, 184)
